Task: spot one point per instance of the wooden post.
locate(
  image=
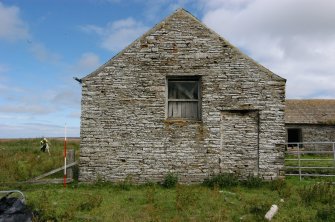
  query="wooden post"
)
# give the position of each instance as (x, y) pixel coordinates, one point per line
(70, 157)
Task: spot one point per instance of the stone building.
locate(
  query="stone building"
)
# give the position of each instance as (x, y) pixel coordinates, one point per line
(181, 99)
(310, 120)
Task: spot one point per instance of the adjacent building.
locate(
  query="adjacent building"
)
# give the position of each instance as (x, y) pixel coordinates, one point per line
(311, 120)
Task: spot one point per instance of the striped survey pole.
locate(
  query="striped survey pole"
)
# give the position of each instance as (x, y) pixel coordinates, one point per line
(64, 182)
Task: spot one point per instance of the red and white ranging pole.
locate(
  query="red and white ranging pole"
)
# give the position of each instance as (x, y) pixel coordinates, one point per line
(65, 158)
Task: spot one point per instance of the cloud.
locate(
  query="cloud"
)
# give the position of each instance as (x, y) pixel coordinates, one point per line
(75, 115)
(8, 90)
(11, 26)
(67, 98)
(154, 9)
(295, 39)
(227, 4)
(43, 54)
(33, 130)
(87, 63)
(33, 103)
(118, 34)
(53, 106)
(25, 108)
(92, 29)
(3, 69)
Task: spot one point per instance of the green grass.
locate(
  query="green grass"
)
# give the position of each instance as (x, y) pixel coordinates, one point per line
(221, 198)
(111, 202)
(309, 160)
(21, 159)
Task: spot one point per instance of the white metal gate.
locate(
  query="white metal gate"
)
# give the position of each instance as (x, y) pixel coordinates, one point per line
(310, 159)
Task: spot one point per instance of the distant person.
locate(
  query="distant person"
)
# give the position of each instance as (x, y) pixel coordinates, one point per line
(45, 145)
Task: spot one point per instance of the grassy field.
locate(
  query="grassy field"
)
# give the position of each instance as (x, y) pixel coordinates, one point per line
(324, 164)
(125, 202)
(222, 198)
(21, 159)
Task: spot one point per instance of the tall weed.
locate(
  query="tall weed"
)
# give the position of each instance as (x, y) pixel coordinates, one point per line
(284, 189)
(222, 180)
(185, 198)
(326, 213)
(258, 207)
(151, 208)
(90, 202)
(22, 170)
(253, 182)
(44, 209)
(322, 193)
(170, 180)
(126, 184)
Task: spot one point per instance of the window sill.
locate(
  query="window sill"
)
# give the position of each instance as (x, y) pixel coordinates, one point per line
(181, 122)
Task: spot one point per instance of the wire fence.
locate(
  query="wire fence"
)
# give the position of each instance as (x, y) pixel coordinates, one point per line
(310, 159)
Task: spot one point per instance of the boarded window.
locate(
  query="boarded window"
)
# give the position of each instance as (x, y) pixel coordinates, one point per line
(183, 98)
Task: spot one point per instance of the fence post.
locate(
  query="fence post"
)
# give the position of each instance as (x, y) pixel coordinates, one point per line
(70, 159)
(299, 161)
(334, 152)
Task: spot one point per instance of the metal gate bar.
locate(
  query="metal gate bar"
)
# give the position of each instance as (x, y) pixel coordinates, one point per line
(301, 149)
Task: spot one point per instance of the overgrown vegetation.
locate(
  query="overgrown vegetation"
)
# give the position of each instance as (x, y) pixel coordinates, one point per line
(21, 159)
(223, 180)
(321, 192)
(170, 180)
(221, 197)
(105, 201)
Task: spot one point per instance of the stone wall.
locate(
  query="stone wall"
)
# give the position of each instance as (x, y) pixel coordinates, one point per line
(124, 130)
(316, 133)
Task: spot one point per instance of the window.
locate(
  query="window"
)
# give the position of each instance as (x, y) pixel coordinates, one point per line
(183, 98)
(294, 135)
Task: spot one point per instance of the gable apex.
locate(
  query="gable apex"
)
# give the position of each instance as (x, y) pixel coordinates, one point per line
(181, 12)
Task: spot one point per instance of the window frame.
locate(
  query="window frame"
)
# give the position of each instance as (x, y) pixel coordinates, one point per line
(167, 100)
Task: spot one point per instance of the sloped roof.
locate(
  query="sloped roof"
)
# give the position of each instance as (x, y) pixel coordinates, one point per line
(311, 111)
(166, 20)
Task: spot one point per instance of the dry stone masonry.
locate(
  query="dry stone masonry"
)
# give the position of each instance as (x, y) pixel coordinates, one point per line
(125, 128)
(310, 120)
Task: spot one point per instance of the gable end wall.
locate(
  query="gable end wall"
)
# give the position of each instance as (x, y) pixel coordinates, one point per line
(124, 132)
